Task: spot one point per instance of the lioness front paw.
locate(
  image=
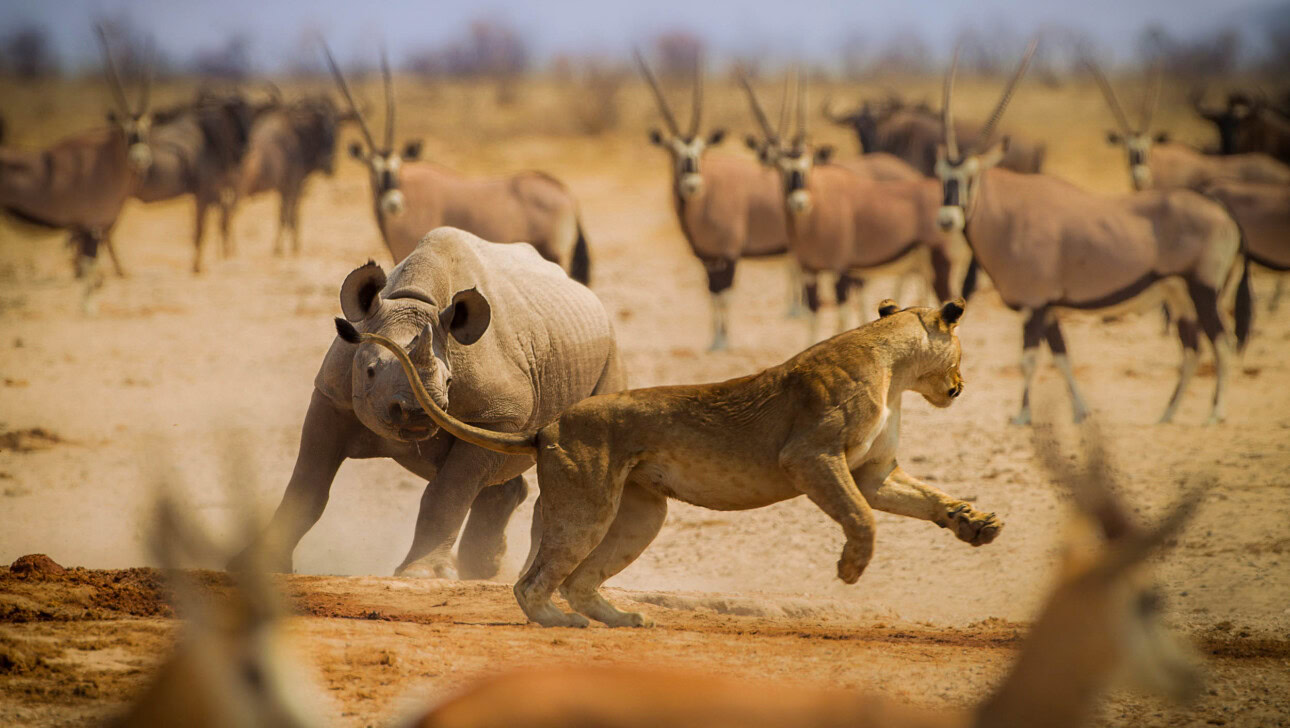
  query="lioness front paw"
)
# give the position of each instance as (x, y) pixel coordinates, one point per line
(971, 525)
(855, 557)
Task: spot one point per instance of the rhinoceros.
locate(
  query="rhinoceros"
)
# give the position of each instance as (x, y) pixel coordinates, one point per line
(504, 339)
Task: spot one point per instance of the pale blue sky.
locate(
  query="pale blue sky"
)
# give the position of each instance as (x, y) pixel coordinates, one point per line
(811, 29)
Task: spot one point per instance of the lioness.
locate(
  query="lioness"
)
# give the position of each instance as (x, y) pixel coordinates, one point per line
(823, 424)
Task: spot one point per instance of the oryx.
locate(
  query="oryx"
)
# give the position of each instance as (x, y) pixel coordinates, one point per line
(197, 147)
(288, 143)
(913, 133)
(81, 182)
(1154, 161)
(1263, 212)
(1048, 245)
(842, 222)
(412, 197)
(728, 206)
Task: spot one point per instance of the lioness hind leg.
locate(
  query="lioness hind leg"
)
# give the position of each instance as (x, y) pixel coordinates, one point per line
(641, 513)
(577, 509)
(904, 495)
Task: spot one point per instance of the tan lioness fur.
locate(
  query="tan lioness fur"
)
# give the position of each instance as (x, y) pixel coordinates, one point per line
(824, 424)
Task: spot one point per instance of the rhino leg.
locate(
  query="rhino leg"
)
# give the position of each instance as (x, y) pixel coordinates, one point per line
(324, 440)
(483, 542)
(444, 505)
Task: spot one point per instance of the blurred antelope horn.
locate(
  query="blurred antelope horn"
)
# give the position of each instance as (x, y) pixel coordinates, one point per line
(109, 68)
(1109, 94)
(696, 112)
(389, 99)
(987, 131)
(947, 108)
(349, 97)
(663, 108)
(758, 112)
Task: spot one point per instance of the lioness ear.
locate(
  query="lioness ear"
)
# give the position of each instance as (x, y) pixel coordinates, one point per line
(359, 293)
(468, 316)
(952, 311)
(887, 308)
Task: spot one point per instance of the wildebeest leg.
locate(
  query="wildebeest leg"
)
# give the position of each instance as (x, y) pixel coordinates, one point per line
(1031, 333)
(578, 503)
(811, 289)
(227, 203)
(284, 203)
(444, 505)
(721, 276)
(1211, 322)
(1190, 337)
(199, 232)
(890, 489)
(323, 443)
(483, 541)
(796, 304)
(295, 223)
(1057, 344)
(641, 513)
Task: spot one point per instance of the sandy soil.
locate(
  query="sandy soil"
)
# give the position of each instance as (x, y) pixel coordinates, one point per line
(94, 410)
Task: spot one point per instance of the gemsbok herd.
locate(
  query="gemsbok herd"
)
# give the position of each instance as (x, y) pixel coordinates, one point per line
(482, 352)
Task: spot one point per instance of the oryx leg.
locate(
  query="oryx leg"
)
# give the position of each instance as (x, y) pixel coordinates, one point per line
(324, 440)
(811, 291)
(940, 277)
(1275, 301)
(1190, 337)
(641, 513)
(446, 501)
(796, 301)
(294, 221)
(227, 203)
(1031, 333)
(284, 215)
(1205, 299)
(483, 541)
(841, 292)
(85, 247)
(104, 238)
(199, 230)
(889, 488)
(721, 277)
(1057, 344)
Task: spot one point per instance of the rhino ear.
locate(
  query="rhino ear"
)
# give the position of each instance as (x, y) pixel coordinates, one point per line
(468, 317)
(359, 293)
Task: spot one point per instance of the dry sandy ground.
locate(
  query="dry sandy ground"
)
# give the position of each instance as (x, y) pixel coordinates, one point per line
(95, 410)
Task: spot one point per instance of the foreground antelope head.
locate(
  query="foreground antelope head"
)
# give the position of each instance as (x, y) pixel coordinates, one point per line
(686, 148)
(382, 396)
(1104, 621)
(1137, 141)
(959, 167)
(133, 122)
(383, 163)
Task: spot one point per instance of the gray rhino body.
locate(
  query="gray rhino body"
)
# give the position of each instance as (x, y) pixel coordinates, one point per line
(501, 337)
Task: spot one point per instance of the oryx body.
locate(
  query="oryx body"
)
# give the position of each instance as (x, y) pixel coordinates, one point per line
(1263, 212)
(728, 207)
(411, 197)
(1049, 245)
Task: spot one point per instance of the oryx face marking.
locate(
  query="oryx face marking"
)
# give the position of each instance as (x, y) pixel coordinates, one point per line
(1138, 147)
(385, 170)
(136, 129)
(687, 154)
(795, 169)
(958, 187)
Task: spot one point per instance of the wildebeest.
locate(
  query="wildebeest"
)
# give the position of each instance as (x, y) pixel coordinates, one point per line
(503, 338)
(410, 197)
(81, 182)
(196, 149)
(912, 132)
(1154, 161)
(1049, 245)
(1247, 124)
(288, 142)
(1263, 212)
(728, 206)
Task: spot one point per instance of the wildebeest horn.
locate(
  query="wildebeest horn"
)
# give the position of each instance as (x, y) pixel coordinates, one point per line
(983, 137)
(389, 99)
(109, 68)
(696, 111)
(1109, 94)
(663, 108)
(758, 112)
(349, 98)
(947, 108)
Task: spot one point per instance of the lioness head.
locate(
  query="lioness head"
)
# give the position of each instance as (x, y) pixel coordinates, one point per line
(382, 397)
(936, 376)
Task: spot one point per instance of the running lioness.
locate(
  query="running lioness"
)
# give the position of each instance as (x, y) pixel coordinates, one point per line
(823, 424)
